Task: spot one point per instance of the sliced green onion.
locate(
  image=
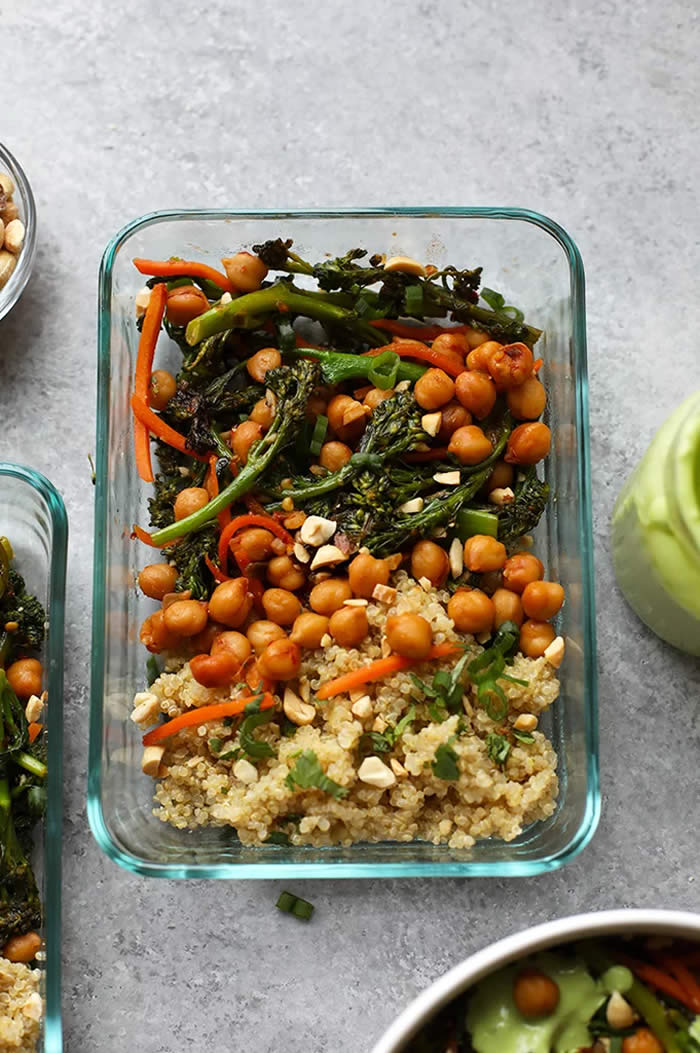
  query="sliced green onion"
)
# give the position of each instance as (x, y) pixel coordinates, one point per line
(318, 435)
(495, 300)
(414, 300)
(472, 521)
(384, 370)
(288, 903)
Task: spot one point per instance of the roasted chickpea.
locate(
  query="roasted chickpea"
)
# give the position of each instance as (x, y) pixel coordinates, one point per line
(203, 642)
(365, 573)
(184, 303)
(309, 629)
(155, 635)
(162, 388)
(434, 389)
(451, 344)
(453, 416)
(245, 271)
(256, 542)
(542, 600)
(472, 611)
(520, 570)
(349, 626)
(535, 637)
(262, 633)
(501, 476)
(185, 617)
(535, 994)
(317, 406)
(430, 561)
(243, 437)
(528, 443)
(527, 402)
(190, 500)
(263, 360)
(469, 445)
(510, 365)
(262, 413)
(285, 574)
(280, 660)
(214, 670)
(22, 948)
(476, 392)
(479, 356)
(24, 677)
(329, 595)
(483, 553)
(507, 607)
(281, 606)
(232, 643)
(346, 417)
(409, 634)
(334, 455)
(474, 337)
(230, 602)
(376, 395)
(157, 579)
(642, 1041)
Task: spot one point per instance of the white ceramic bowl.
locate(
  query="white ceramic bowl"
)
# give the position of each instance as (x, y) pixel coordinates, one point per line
(512, 948)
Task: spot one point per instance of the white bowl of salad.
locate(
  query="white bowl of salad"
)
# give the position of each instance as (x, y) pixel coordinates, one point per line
(617, 981)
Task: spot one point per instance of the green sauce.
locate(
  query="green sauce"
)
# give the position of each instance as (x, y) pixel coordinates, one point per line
(656, 531)
(496, 1026)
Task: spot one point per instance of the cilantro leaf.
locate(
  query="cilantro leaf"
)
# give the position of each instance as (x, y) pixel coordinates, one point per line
(523, 736)
(252, 746)
(308, 774)
(498, 748)
(445, 764)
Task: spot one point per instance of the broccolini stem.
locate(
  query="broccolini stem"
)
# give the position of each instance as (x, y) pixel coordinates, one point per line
(31, 764)
(266, 301)
(337, 366)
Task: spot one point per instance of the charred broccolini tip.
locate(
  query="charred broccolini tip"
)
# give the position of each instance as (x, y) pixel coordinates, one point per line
(523, 514)
(293, 386)
(18, 607)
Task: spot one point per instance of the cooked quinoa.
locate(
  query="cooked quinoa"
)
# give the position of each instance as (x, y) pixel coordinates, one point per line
(197, 789)
(20, 1007)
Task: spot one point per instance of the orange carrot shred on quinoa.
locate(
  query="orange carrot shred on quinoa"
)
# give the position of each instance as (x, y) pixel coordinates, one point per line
(204, 715)
(380, 669)
(176, 268)
(34, 731)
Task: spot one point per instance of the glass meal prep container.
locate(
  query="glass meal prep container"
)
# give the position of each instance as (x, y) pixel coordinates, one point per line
(537, 266)
(33, 517)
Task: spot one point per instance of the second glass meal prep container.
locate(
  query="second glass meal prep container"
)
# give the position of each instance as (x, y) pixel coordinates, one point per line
(537, 266)
(33, 517)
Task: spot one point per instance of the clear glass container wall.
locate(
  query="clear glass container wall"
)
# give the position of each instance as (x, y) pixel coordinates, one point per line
(32, 516)
(537, 266)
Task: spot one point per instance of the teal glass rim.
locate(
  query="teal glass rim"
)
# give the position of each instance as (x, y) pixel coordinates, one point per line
(53, 666)
(270, 868)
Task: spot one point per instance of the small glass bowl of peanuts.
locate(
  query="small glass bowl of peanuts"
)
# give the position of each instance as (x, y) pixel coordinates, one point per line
(17, 231)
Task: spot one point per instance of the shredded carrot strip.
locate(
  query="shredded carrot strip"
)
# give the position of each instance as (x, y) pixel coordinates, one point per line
(34, 731)
(656, 977)
(215, 571)
(143, 535)
(537, 365)
(380, 669)
(178, 268)
(203, 715)
(159, 428)
(142, 377)
(420, 332)
(685, 978)
(415, 349)
(240, 522)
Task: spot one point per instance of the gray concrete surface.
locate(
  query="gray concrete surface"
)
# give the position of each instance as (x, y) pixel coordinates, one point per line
(585, 111)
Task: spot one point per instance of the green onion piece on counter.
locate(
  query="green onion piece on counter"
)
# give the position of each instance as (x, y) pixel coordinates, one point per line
(384, 370)
(318, 436)
(471, 521)
(288, 903)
